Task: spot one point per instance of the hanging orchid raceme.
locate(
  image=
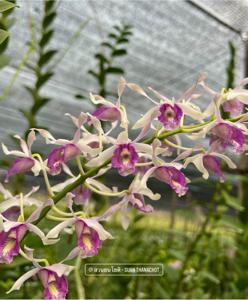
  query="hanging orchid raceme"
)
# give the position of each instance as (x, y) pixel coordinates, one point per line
(152, 148)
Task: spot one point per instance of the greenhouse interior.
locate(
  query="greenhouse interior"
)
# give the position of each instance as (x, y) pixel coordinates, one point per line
(124, 143)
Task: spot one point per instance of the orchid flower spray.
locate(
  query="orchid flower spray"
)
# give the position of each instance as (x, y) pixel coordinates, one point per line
(152, 147)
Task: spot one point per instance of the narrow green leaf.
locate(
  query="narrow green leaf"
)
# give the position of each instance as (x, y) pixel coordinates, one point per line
(38, 105)
(119, 52)
(80, 97)
(115, 70)
(101, 57)
(107, 45)
(3, 35)
(46, 57)
(48, 19)
(6, 5)
(232, 201)
(113, 36)
(43, 79)
(4, 60)
(46, 38)
(122, 41)
(94, 74)
(48, 5)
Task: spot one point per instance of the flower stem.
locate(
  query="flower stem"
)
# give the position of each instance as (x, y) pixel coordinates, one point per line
(93, 171)
(78, 280)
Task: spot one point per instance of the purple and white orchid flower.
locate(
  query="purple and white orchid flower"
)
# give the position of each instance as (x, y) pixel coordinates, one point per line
(53, 279)
(107, 111)
(11, 234)
(224, 134)
(209, 161)
(90, 234)
(24, 162)
(10, 207)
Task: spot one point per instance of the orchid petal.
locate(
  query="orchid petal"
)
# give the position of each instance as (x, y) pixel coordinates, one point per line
(103, 156)
(93, 223)
(22, 279)
(54, 232)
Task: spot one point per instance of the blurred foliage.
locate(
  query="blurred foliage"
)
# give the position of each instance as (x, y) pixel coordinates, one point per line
(44, 54)
(215, 268)
(112, 48)
(6, 8)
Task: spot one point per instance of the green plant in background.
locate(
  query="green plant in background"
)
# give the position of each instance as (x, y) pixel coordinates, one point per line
(6, 9)
(44, 55)
(112, 48)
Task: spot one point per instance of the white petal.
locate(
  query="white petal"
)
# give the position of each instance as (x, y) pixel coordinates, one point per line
(190, 110)
(100, 186)
(103, 156)
(13, 152)
(30, 140)
(60, 269)
(197, 160)
(60, 186)
(22, 279)
(147, 118)
(54, 232)
(40, 234)
(23, 145)
(228, 161)
(93, 223)
(36, 214)
(240, 94)
(121, 86)
(96, 99)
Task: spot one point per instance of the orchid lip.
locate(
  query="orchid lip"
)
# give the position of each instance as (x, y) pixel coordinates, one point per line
(88, 239)
(170, 115)
(10, 243)
(172, 176)
(124, 159)
(60, 155)
(224, 134)
(55, 287)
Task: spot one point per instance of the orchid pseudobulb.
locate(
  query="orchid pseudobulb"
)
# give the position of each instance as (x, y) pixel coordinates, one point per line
(155, 151)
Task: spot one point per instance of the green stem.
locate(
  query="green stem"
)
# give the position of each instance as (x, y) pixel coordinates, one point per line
(78, 280)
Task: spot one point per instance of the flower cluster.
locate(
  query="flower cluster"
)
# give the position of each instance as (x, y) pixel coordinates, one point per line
(153, 148)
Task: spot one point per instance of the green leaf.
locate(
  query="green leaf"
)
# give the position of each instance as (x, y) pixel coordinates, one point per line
(232, 201)
(4, 60)
(94, 74)
(43, 79)
(80, 97)
(46, 38)
(101, 57)
(119, 52)
(107, 45)
(115, 70)
(113, 36)
(46, 57)
(6, 5)
(49, 4)
(38, 105)
(33, 93)
(209, 276)
(48, 19)
(122, 41)
(3, 35)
